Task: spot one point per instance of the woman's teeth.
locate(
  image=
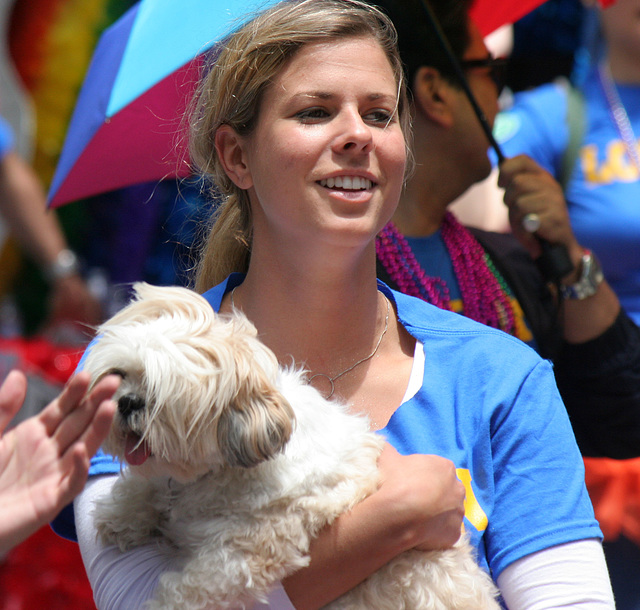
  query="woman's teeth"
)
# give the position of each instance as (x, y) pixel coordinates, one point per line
(351, 183)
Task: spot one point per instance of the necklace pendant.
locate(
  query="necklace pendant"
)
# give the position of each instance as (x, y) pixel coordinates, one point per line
(359, 362)
(332, 385)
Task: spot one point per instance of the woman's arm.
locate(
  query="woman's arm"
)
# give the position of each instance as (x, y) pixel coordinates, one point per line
(572, 575)
(119, 580)
(419, 505)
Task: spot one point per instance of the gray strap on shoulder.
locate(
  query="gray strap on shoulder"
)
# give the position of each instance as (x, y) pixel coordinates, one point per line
(576, 121)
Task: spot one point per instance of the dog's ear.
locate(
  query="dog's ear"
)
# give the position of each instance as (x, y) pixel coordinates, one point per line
(254, 427)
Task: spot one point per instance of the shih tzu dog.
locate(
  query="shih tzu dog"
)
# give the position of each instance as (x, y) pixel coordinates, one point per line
(235, 464)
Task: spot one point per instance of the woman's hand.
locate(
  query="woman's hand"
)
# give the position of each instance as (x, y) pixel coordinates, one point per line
(419, 504)
(425, 496)
(44, 460)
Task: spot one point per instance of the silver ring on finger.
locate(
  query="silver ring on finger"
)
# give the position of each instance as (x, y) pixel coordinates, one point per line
(531, 222)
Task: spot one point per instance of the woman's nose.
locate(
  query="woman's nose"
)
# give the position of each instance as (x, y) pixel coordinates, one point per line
(355, 135)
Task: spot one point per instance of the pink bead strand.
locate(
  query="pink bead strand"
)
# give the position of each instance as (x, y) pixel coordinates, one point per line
(484, 292)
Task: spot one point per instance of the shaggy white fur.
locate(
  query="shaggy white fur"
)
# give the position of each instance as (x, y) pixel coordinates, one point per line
(237, 463)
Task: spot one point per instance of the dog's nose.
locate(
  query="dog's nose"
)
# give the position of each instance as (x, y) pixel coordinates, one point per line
(129, 403)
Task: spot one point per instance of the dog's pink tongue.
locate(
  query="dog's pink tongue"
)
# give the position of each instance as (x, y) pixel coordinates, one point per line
(135, 452)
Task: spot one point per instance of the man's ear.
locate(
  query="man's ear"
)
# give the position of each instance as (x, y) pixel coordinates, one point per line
(433, 96)
(230, 149)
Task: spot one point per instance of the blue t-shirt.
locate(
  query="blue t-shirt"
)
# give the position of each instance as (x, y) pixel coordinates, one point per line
(490, 404)
(603, 191)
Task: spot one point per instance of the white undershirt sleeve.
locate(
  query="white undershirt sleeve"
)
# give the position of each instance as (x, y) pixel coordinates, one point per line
(572, 575)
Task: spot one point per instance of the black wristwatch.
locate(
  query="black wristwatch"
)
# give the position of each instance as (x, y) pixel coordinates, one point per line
(591, 277)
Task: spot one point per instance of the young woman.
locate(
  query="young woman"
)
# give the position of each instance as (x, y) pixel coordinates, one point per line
(301, 125)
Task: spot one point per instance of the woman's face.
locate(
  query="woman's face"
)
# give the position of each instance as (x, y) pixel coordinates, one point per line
(326, 160)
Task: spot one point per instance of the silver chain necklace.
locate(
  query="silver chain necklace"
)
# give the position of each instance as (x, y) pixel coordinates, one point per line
(618, 113)
(353, 366)
(333, 379)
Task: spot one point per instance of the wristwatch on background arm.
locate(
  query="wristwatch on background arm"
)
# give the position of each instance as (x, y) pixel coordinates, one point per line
(591, 277)
(65, 265)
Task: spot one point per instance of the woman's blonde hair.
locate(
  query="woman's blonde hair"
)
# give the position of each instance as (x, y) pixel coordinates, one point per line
(230, 94)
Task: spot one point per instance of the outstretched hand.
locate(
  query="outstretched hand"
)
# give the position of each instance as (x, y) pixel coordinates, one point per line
(44, 460)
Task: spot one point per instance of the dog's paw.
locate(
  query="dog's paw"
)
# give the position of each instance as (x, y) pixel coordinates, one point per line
(105, 533)
(127, 518)
(122, 535)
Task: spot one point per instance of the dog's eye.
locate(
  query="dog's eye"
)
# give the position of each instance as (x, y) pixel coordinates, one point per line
(117, 372)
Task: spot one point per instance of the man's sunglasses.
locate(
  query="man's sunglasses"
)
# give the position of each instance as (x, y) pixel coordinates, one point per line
(497, 68)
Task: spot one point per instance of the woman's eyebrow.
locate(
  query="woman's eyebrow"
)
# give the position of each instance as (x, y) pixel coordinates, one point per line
(324, 95)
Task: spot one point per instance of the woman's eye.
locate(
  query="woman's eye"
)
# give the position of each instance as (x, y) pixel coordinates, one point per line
(379, 116)
(311, 114)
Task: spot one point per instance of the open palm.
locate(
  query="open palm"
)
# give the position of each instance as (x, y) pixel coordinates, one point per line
(44, 460)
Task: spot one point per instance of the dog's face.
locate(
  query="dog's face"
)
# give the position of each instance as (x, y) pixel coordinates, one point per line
(198, 390)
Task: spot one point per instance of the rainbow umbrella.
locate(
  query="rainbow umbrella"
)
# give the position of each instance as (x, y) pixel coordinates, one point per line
(127, 127)
(127, 124)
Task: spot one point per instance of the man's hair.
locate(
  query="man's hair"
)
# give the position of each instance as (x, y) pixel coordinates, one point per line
(417, 41)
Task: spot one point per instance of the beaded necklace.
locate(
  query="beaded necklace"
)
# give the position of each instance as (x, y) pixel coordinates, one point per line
(618, 113)
(485, 295)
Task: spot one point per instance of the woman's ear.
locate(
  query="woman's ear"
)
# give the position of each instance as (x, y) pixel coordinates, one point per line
(230, 149)
(433, 96)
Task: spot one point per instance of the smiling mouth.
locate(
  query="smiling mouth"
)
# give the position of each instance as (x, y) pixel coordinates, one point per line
(347, 183)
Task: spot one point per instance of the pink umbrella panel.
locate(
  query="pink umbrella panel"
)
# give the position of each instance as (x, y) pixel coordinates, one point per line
(128, 126)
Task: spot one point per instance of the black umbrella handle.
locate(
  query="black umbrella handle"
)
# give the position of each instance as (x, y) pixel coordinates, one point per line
(554, 262)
